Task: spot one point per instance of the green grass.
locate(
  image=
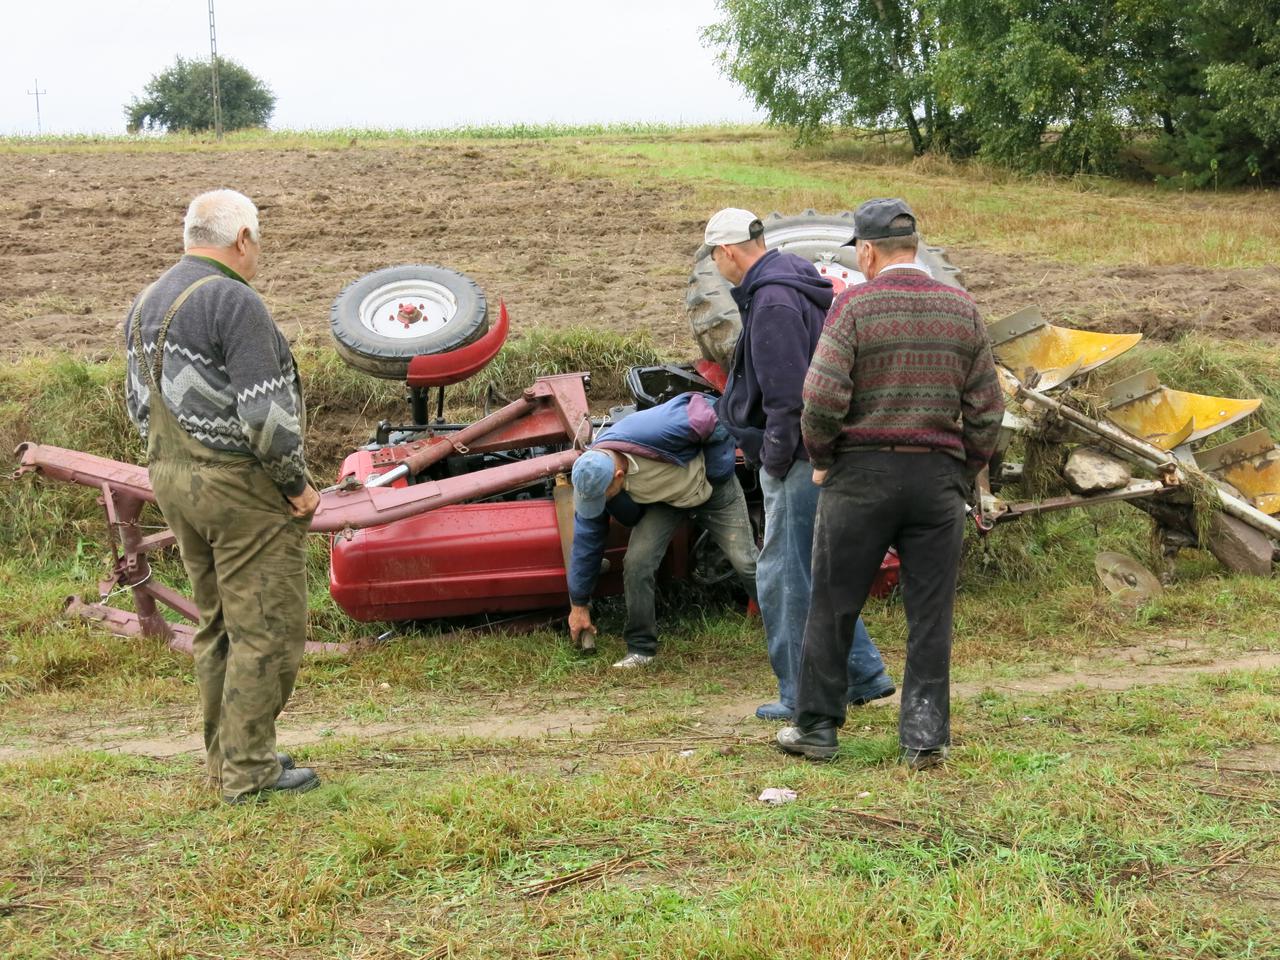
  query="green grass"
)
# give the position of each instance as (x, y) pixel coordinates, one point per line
(1070, 832)
(1083, 220)
(337, 137)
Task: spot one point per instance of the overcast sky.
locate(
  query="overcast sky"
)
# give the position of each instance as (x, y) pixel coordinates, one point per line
(375, 63)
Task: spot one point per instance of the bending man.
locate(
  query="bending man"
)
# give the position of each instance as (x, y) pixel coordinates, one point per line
(649, 472)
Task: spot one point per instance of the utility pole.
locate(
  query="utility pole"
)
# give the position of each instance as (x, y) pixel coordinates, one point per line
(38, 93)
(217, 95)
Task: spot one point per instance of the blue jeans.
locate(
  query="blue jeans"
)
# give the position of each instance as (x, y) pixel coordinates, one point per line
(783, 578)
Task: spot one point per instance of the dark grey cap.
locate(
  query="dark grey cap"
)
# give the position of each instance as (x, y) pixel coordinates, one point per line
(872, 220)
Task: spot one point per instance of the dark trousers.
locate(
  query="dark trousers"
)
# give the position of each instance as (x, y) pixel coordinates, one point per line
(872, 500)
(724, 516)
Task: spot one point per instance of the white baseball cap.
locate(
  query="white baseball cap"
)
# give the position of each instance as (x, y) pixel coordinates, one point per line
(731, 225)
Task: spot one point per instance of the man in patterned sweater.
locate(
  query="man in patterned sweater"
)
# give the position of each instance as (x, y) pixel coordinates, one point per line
(213, 389)
(902, 409)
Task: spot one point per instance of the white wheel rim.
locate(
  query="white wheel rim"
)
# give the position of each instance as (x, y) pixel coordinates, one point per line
(407, 309)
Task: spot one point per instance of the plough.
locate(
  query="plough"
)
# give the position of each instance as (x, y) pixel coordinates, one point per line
(1146, 424)
(433, 519)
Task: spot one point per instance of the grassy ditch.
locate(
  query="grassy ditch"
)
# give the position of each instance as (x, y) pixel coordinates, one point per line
(53, 545)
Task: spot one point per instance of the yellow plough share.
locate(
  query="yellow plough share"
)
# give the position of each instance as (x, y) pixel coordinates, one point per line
(1251, 465)
(1025, 342)
(1146, 424)
(1169, 418)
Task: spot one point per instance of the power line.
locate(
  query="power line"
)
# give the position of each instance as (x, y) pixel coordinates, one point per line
(38, 93)
(217, 95)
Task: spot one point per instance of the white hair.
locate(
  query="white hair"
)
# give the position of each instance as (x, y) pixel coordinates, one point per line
(216, 218)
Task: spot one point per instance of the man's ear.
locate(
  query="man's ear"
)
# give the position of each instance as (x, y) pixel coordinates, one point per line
(243, 238)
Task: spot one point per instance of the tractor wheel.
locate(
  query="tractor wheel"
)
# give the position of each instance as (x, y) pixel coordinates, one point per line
(714, 316)
(386, 318)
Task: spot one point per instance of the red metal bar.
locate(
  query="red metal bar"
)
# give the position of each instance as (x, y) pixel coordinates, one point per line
(352, 509)
(157, 541)
(132, 568)
(72, 466)
(121, 623)
(371, 507)
(178, 602)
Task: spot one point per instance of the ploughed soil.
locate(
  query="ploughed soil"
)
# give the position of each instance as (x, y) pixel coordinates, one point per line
(82, 233)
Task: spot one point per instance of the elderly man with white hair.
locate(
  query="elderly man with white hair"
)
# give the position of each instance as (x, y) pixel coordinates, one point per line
(213, 389)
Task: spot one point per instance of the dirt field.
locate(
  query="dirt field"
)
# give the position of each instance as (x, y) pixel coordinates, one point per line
(81, 233)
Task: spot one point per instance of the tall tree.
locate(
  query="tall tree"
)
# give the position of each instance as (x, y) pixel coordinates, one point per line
(1223, 106)
(1042, 83)
(1059, 85)
(181, 98)
(811, 63)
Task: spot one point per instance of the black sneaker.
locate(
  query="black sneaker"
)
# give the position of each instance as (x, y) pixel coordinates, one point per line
(297, 780)
(817, 741)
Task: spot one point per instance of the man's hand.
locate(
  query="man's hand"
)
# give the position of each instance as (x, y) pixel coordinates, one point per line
(819, 477)
(579, 621)
(305, 503)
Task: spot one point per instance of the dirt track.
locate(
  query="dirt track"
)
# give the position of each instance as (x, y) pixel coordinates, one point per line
(1121, 668)
(81, 233)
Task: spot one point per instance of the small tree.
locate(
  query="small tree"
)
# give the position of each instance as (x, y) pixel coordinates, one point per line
(181, 98)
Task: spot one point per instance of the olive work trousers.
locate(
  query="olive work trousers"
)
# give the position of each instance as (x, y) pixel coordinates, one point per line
(246, 558)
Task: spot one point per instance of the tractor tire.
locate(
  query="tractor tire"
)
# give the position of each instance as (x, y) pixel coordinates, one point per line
(713, 314)
(368, 336)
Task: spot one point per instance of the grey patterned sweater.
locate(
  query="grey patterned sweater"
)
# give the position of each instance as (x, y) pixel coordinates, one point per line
(228, 377)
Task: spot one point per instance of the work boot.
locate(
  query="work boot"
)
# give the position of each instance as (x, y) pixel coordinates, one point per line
(297, 780)
(634, 661)
(285, 761)
(922, 759)
(816, 741)
(774, 711)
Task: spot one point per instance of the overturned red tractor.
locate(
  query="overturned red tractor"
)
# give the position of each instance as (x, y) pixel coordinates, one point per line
(436, 519)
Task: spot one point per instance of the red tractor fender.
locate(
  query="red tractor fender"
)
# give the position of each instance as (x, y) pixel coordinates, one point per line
(446, 369)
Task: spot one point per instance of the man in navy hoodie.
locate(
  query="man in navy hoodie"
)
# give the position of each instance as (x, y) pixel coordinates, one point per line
(649, 471)
(784, 303)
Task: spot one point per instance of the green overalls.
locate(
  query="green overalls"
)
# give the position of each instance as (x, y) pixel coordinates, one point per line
(245, 555)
